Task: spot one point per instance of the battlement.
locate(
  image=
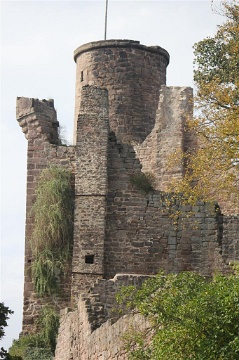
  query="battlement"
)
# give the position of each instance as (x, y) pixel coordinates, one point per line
(37, 118)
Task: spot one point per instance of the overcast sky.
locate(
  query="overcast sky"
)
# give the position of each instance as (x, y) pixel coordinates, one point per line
(37, 42)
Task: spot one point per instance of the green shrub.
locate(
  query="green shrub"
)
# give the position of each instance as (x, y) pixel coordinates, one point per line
(39, 346)
(48, 324)
(21, 346)
(38, 354)
(143, 182)
(191, 317)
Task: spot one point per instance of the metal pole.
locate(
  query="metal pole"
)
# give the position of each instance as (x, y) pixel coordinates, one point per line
(106, 9)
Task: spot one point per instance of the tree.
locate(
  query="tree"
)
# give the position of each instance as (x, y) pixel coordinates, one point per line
(213, 167)
(4, 312)
(191, 317)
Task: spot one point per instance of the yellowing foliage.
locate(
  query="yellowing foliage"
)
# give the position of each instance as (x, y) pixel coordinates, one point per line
(213, 168)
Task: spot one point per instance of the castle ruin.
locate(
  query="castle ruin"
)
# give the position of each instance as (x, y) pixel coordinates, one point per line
(127, 121)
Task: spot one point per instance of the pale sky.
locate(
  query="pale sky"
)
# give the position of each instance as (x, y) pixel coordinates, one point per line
(37, 44)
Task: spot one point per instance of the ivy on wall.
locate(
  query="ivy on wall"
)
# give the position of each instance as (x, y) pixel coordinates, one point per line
(52, 235)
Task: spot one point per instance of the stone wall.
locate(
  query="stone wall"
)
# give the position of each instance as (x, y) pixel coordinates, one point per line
(229, 238)
(133, 74)
(40, 126)
(170, 134)
(90, 188)
(88, 332)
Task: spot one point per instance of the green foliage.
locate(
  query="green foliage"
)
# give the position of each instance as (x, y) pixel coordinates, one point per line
(53, 229)
(39, 354)
(143, 182)
(192, 317)
(53, 210)
(48, 325)
(21, 346)
(38, 346)
(4, 312)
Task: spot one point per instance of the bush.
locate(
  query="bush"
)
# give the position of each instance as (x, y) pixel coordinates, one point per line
(143, 182)
(192, 317)
(39, 346)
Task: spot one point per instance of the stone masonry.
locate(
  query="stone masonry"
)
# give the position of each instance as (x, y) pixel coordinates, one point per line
(127, 121)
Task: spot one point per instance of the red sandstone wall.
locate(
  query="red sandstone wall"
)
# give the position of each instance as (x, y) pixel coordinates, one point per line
(90, 189)
(133, 74)
(85, 333)
(39, 124)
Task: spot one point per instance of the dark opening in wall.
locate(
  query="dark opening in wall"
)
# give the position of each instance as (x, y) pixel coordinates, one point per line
(81, 76)
(89, 259)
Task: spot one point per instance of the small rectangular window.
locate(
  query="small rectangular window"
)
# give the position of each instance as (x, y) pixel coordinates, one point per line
(81, 76)
(89, 259)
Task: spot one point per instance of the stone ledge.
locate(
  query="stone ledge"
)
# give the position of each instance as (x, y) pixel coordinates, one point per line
(120, 44)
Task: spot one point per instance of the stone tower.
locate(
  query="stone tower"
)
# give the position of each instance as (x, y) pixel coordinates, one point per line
(133, 75)
(126, 122)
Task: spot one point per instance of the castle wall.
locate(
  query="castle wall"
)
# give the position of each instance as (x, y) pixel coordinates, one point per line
(88, 333)
(149, 232)
(229, 237)
(170, 134)
(90, 188)
(40, 126)
(133, 74)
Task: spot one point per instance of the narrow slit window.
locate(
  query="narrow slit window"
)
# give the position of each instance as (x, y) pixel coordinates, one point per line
(81, 76)
(89, 259)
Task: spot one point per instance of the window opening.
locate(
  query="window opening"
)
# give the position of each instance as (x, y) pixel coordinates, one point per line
(89, 259)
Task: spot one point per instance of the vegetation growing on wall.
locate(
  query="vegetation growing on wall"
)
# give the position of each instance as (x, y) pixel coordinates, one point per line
(41, 345)
(191, 317)
(143, 182)
(52, 235)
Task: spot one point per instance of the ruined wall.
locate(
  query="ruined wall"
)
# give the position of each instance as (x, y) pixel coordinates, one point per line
(89, 333)
(146, 233)
(133, 74)
(229, 237)
(40, 126)
(170, 134)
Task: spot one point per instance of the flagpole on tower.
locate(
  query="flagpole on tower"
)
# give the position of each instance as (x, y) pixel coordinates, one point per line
(106, 9)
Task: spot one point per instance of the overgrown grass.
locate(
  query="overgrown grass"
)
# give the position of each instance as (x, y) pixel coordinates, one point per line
(143, 182)
(52, 235)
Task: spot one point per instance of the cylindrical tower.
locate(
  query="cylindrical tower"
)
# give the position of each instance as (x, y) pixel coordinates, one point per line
(133, 74)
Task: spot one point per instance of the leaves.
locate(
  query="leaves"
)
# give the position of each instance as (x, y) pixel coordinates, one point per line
(192, 317)
(52, 235)
(41, 345)
(4, 312)
(53, 210)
